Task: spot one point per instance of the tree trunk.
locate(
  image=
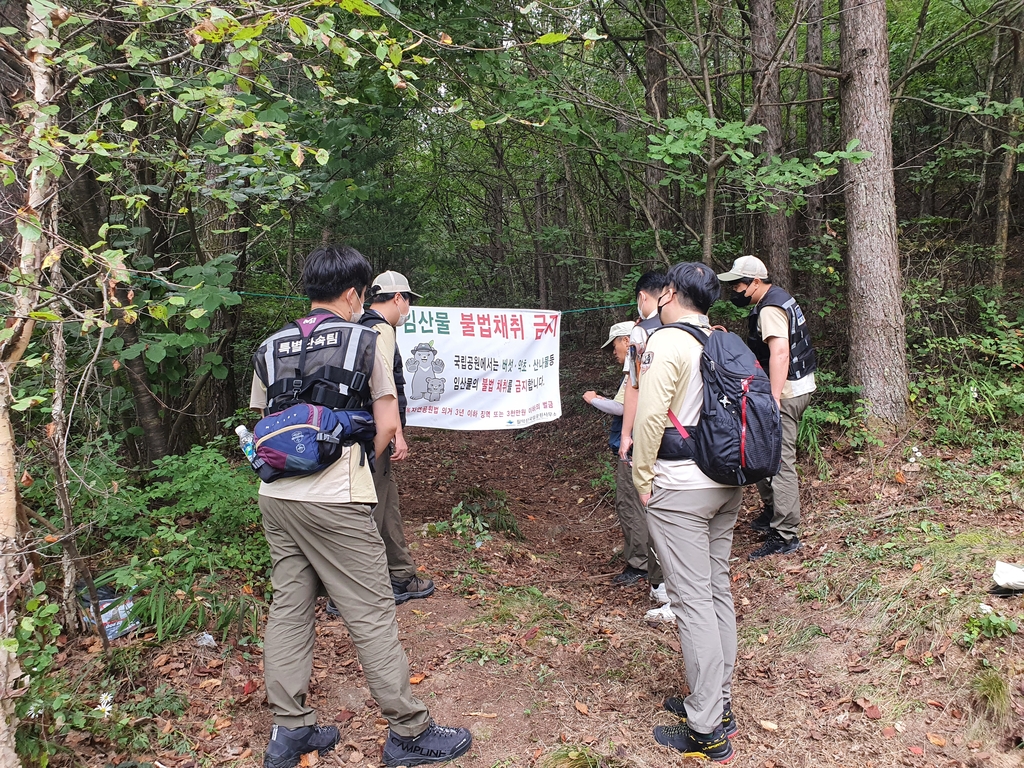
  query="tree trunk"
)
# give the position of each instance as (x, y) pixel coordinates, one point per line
(38, 225)
(1005, 188)
(815, 111)
(875, 286)
(540, 202)
(773, 224)
(656, 101)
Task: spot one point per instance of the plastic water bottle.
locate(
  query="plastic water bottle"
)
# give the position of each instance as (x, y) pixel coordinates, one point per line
(246, 441)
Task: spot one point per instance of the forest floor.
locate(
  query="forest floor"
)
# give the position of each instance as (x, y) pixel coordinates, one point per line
(866, 648)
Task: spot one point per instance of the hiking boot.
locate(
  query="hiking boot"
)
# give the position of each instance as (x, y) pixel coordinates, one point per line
(288, 745)
(437, 744)
(763, 522)
(659, 594)
(411, 589)
(708, 746)
(775, 545)
(332, 609)
(676, 705)
(661, 613)
(628, 577)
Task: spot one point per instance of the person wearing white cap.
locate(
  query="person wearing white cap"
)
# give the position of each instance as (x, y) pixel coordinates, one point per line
(779, 336)
(637, 550)
(390, 300)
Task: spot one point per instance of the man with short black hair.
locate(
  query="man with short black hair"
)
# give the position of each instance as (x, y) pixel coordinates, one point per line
(322, 537)
(781, 340)
(691, 519)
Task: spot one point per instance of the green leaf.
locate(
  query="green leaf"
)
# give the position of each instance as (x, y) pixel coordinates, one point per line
(8, 31)
(177, 113)
(298, 155)
(299, 27)
(322, 156)
(159, 312)
(46, 317)
(551, 38)
(592, 34)
(177, 301)
(129, 125)
(156, 353)
(477, 125)
(360, 7)
(854, 143)
(29, 229)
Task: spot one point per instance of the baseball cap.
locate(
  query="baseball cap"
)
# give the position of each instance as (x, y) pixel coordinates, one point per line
(392, 282)
(748, 267)
(619, 329)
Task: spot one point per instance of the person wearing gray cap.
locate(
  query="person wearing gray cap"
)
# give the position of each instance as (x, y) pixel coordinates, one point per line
(779, 337)
(390, 300)
(641, 561)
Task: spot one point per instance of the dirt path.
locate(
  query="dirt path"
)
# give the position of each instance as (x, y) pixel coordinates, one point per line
(850, 653)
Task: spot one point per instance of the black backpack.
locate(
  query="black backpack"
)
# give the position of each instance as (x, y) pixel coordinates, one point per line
(738, 439)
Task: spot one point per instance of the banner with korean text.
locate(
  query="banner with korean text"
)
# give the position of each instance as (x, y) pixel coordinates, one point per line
(474, 369)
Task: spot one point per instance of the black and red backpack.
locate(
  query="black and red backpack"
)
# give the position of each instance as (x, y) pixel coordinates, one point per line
(738, 438)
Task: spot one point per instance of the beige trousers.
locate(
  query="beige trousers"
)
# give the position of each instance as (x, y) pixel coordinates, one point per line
(693, 533)
(333, 548)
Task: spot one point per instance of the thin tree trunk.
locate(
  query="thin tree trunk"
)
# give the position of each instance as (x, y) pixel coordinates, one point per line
(1005, 188)
(773, 224)
(987, 147)
(815, 110)
(656, 102)
(540, 260)
(875, 284)
(37, 215)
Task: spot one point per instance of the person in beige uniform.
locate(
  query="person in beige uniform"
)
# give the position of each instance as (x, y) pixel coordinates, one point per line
(641, 562)
(779, 337)
(691, 518)
(322, 537)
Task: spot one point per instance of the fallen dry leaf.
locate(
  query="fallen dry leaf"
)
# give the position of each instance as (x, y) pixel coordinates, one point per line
(936, 739)
(209, 685)
(873, 713)
(889, 732)
(481, 714)
(917, 750)
(250, 687)
(768, 725)
(356, 757)
(582, 708)
(26, 479)
(247, 752)
(309, 760)
(418, 678)
(917, 567)
(344, 716)
(531, 633)
(900, 478)
(167, 728)
(936, 704)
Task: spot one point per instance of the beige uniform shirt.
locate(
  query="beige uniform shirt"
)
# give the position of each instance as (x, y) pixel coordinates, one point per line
(670, 378)
(345, 481)
(773, 321)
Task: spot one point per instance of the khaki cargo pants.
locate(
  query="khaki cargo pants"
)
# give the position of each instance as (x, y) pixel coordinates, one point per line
(386, 515)
(783, 490)
(333, 548)
(638, 550)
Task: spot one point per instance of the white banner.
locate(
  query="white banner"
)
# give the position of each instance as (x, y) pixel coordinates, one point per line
(480, 368)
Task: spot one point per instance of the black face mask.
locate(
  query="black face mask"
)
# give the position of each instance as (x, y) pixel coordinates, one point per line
(739, 299)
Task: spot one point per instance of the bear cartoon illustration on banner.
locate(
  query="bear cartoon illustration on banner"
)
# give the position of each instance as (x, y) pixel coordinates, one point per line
(423, 365)
(435, 388)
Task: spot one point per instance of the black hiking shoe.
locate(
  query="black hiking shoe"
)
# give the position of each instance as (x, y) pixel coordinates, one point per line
(677, 707)
(628, 577)
(288, 745)
(332, 609)
(763, 522)
(411, 589)
(437, 744)
(708, 746)
(775, 545)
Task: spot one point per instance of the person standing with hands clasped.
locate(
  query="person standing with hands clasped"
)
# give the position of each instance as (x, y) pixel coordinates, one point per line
(691, 518)
(779, 337)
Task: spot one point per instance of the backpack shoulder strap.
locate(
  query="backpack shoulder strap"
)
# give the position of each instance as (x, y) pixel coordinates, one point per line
(693, 330)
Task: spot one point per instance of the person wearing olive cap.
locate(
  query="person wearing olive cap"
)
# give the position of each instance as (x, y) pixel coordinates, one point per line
(641, 561)
(779, 337)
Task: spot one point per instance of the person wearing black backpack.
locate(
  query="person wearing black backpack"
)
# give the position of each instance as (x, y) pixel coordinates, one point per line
(779, 336)
(321, 533)
(690, 515)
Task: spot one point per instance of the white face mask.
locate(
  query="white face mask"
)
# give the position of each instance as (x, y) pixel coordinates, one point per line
(402, 318)
(357, 314)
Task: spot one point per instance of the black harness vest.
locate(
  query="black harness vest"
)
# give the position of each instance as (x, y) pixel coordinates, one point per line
(369, 319)
(802, 360)
(335, 357)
